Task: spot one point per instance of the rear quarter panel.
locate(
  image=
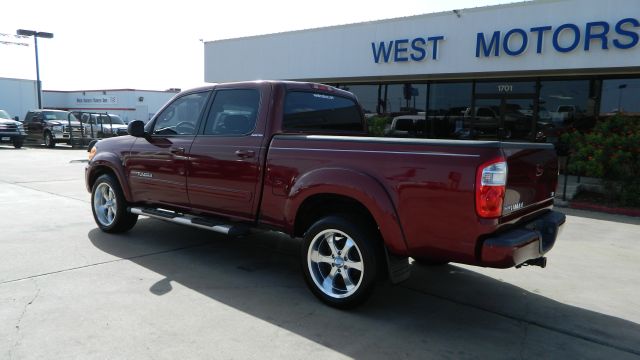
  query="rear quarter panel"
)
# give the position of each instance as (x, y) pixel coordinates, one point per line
(429, 183)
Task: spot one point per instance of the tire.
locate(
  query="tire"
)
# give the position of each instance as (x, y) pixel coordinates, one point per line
(49, 140)
(341, 279)
(110, 207)
(17, 143)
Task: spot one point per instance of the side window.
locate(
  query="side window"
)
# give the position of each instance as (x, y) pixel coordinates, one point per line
(181, 116)
(314, 111)
(233, 112)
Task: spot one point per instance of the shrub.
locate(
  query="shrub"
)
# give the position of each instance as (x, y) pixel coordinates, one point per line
(610, 151)
(377, 124)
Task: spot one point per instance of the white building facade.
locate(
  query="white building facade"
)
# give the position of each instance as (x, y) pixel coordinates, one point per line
(558, 62)
(17, 96)
(129, 104)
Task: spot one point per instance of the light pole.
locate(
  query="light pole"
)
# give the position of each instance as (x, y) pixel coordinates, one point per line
(620, 87)
(36, 35)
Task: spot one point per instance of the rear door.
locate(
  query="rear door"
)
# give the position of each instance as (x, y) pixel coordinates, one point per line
(532, 176)
(224, 176)
(157, 165)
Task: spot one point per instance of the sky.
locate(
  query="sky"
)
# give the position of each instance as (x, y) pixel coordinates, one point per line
(157, 45)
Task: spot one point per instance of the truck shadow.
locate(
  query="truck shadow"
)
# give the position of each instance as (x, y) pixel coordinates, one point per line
(445, 311)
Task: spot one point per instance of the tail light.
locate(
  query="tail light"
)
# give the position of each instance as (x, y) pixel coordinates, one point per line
(491, 181)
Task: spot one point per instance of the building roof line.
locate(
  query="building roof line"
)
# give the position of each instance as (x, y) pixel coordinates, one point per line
(426, 15)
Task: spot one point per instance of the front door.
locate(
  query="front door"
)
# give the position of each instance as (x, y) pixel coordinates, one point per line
(157, 165)
(34, 125)
(224, 177)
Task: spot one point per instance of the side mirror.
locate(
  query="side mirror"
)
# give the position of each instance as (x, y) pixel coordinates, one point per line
(136, 128)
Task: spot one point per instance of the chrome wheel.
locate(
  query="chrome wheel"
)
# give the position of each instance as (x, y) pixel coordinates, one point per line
(105, 204)
(47, 140)
(335, 263)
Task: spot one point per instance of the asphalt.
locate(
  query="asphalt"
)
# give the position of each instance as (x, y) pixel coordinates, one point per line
(163, 291)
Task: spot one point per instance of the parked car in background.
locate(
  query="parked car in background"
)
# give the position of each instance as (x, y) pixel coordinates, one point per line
(407, 126)
(11, 130)
(98, 125)
(52, 127)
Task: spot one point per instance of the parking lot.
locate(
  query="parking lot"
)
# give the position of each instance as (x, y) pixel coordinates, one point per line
(68, 290)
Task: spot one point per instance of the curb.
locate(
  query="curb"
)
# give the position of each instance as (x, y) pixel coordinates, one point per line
(611, 210)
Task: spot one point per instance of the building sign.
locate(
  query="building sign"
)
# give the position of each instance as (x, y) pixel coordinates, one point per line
(97, 100)
(523, 38)
(596, 35)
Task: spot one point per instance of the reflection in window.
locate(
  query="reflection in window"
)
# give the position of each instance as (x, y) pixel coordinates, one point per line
(306, 111)
(448, 104)
(233, 112)
(620, 95)
(407, 98)
(566, 104)
(367, 96)
(181, 116)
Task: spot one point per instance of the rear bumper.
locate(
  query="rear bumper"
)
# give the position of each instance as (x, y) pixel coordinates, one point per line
(526, 242)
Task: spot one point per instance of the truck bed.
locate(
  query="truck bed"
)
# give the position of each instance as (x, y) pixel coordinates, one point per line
(431, 184)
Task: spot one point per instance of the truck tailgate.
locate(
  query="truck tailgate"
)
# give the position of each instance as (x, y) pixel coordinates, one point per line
(531, 178)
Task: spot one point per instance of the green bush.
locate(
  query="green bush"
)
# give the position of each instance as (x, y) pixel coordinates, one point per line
(610, 151)
(377, 124)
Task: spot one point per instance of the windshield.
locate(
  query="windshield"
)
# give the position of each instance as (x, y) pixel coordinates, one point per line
(4, 115)
(58, 115)
(115, 120)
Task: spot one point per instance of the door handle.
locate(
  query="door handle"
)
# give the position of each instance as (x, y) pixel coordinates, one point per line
(245, 154)
(178, 150)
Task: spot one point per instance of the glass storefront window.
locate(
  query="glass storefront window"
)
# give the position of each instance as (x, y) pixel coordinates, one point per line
(449, 105)
(620, 95)
(367, 96)
(566, 104)
(404, 98)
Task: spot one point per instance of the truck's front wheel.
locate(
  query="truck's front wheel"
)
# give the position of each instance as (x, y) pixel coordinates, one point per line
(339, 260)
(110, 207)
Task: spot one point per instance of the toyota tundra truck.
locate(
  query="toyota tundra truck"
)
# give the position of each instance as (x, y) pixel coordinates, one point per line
(296, 158)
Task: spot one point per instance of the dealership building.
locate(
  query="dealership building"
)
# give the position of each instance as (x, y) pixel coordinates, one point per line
(129, 104)
(507, 71)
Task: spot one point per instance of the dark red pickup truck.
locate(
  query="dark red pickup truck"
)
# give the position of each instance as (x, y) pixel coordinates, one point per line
(296, 158)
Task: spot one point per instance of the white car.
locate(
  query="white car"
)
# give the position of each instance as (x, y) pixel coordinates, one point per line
(103, 125)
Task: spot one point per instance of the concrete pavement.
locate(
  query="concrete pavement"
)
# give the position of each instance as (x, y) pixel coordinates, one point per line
(164, 291)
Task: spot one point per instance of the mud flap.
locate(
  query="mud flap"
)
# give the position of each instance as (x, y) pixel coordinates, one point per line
(397, 267)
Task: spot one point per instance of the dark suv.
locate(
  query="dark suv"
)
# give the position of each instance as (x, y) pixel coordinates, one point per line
(11, 130)
(52, 127)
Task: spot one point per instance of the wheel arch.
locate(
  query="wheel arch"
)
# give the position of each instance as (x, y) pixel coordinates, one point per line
(102, 165)
(320, 192)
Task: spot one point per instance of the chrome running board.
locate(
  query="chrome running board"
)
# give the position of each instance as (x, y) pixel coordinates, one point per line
(189, 220)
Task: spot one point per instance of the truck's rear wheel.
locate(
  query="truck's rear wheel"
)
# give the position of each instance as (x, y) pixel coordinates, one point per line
(340, 261)
(110, 207)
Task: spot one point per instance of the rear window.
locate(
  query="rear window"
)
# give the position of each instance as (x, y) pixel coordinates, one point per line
(319, 111)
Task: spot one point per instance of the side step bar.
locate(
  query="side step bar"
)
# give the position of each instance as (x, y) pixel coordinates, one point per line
(189, 220)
